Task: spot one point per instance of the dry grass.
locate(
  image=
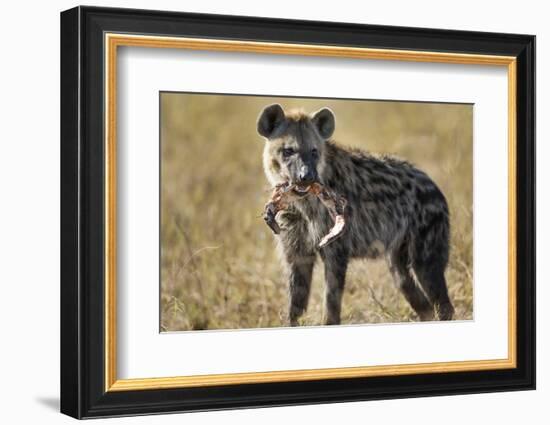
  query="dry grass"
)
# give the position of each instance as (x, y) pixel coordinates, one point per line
(219, 269)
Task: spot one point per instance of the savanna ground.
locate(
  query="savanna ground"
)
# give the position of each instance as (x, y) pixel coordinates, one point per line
(219, 268)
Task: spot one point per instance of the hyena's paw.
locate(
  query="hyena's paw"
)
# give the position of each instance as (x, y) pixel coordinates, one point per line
(330, 319)
(445, 311)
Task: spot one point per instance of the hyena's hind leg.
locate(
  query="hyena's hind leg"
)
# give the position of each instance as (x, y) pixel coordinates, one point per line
(431, 254)
(432, 279)
(400, 268)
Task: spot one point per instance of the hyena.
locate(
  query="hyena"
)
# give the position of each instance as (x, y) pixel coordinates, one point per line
(394, 210)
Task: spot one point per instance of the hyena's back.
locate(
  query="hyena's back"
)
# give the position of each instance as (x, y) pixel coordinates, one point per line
(391, 206)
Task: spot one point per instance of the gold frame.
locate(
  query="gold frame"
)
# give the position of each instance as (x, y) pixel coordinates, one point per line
(113, 41)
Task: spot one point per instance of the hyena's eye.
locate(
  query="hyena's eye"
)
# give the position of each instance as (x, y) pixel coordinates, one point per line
(287, 152)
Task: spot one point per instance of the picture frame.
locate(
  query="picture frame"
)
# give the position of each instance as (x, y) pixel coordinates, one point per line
(90, 40)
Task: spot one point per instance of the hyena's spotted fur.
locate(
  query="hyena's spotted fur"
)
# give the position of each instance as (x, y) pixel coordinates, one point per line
(394, 210)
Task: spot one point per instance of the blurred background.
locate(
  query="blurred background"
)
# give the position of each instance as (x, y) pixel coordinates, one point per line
(219, 268)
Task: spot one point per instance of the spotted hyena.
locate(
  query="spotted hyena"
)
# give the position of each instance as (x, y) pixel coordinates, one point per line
(394, 210)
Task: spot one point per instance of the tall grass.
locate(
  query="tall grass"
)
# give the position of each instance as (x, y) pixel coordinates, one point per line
(219, 269)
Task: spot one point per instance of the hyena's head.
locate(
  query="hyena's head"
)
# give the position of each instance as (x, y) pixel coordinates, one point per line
(295, 144)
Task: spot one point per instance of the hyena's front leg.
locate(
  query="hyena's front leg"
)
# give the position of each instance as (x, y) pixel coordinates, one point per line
(300, 273)
(298, 255)
(336, 264)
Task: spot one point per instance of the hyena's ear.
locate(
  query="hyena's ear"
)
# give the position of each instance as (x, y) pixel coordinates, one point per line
(271, 119)
(324, 122)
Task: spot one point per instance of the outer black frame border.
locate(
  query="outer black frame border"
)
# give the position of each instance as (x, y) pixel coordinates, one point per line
(82, 212)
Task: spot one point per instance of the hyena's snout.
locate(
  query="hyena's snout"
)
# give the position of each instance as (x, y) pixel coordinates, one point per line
(307, 175)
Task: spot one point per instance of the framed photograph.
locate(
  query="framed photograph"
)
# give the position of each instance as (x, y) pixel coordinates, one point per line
(261, 212)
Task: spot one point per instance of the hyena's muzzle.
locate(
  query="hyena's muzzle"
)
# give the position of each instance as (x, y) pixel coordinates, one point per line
(303, 171)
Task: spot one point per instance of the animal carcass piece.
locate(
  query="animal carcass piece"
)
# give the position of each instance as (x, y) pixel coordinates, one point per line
(285, 194)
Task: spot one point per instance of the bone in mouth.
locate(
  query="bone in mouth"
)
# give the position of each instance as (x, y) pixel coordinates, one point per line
(285, 194)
